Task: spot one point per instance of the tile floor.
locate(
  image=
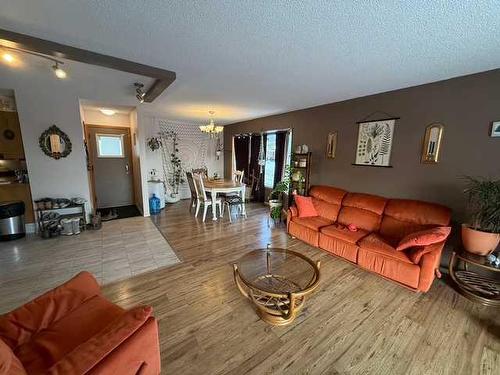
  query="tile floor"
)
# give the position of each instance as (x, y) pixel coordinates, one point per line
(121, 249)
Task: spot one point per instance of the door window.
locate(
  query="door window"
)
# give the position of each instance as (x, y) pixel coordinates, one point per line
(109, 146)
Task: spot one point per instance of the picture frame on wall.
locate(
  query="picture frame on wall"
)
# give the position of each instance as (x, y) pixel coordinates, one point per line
(432, 143)
(331, 145)
(495, 129)
(375, 143)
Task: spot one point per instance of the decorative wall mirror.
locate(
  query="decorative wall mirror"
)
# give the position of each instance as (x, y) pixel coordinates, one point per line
(55, 143)
(432, 143)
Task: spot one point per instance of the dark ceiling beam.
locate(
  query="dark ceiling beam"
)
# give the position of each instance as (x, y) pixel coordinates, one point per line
(163, 78)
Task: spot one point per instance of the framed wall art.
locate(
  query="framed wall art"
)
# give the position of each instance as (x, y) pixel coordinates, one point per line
(495, 129)
(375, 143)
(432, 143)
(331, 145)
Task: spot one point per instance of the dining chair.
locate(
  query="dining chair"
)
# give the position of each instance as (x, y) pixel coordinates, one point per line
(231, 201)
(203, 171)
(192, 188)
(238, 176)
(202, 198)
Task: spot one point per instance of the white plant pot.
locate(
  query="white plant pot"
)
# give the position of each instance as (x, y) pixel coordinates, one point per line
(172, 198)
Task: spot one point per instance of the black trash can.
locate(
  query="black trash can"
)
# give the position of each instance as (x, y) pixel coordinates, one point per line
(12, 220)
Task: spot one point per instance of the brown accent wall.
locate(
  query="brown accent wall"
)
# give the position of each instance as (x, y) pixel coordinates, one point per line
(466, 106)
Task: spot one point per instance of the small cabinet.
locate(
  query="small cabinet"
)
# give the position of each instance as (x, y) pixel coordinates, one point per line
(11, 142)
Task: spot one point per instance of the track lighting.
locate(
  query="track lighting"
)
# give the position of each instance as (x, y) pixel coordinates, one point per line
(9, 58)
(58, 71)
(140, 94)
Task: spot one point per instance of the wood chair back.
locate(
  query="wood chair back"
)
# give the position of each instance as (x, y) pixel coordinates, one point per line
(203, 171)
(238, 176)
(200, 187)
(192, 188)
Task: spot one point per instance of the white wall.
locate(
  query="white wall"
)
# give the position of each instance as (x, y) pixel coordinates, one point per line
(40, 106)
(43, 100)
(195, 148)
(95, 117)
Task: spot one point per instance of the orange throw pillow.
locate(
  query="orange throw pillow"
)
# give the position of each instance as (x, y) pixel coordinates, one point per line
(9, 363)
(424, 237)
(305, 206)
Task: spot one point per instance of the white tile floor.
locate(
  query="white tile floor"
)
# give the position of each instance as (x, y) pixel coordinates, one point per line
(121, 249)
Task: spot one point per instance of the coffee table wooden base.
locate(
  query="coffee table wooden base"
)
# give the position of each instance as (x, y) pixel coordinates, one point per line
(276, 307)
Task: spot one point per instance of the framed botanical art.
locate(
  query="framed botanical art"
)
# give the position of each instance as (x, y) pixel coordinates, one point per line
(375, 143)
(331, 145)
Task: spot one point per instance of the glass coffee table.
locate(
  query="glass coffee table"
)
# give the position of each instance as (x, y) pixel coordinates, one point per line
(277, 282)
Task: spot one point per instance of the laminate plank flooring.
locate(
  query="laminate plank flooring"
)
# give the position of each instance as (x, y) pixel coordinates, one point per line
(355, 323)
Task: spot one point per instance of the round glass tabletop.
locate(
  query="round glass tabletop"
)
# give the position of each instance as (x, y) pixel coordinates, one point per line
(278, 271)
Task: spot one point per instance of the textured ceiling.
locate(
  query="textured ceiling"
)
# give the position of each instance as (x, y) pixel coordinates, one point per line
(247, 59)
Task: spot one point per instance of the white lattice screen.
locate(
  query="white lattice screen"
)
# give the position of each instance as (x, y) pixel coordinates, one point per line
(196, 149)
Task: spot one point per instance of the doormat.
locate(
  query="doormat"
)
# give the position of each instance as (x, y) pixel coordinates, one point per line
(114, 213)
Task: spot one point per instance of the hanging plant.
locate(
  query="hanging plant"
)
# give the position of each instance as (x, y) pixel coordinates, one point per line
(154, 143)
(175, 176)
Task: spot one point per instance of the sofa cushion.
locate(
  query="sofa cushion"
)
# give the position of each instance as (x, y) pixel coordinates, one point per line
(305, 206)
(424, 237)
(338, 247)
(313, 222)
(341, 232)
(49, 345)
(328, 194)
(403, 216)
(415, 254)
(89, 353)
(386, 264)
(363, 210)
(327, 200)
(379, 245)
(9, 363)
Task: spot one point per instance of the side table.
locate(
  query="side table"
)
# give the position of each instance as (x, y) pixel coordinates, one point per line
(477, 287)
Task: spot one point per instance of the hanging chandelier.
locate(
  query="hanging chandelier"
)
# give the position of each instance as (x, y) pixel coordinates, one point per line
(211, 128)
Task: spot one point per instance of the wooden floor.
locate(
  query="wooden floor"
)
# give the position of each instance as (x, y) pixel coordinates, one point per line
(355, 323)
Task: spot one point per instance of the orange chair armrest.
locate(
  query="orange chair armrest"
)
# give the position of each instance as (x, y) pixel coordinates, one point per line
(293, 211)
(17, 326)
(429, 263)
(90, 353)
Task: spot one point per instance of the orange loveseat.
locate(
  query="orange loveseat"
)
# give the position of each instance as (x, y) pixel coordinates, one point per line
(381, 224)
(74, 330)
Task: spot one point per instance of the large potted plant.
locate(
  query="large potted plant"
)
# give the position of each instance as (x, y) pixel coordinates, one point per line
(482, 235)
(276, 196)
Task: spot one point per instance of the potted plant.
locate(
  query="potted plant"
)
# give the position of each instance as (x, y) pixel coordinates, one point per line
(276, 196)
(482, 235)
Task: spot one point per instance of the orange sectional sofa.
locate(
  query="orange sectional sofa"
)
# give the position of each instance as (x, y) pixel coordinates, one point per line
(74, 330)
(381, 224)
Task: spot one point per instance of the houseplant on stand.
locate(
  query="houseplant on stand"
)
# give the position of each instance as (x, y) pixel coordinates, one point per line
(482, 235)
(276, 196)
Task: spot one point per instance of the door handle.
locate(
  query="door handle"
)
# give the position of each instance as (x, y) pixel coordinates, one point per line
(127, 168)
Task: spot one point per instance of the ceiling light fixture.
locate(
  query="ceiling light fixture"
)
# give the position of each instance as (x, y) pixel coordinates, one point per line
(60, 73)
(211, 128)
(140, 94)
(9, 58)
(107, 111)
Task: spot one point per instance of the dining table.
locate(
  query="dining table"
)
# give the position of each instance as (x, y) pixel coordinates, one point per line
(224, 186)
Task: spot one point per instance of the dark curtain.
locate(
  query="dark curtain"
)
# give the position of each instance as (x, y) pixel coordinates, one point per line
(279, 157)
(260, 193)
(241, 148)
(254, 169)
